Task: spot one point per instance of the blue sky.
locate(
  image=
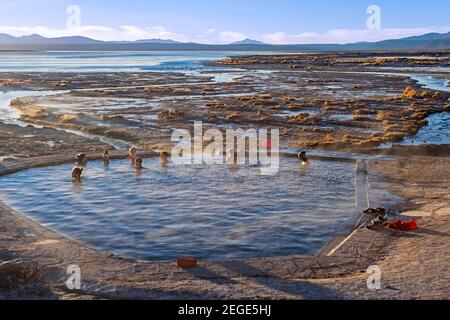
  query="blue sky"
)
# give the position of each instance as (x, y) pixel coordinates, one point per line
(222, 21)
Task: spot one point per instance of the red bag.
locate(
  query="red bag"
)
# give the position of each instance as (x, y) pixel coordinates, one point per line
(403, 225)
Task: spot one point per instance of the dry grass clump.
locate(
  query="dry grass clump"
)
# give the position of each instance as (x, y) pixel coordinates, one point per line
(303, 118)
(245, 98)
(233, 117)
(377, 134)
(346, 138)
(212, 118)
(106, 117)
(237, 62)
(31, 111)
(394, 136)
(206, 90)
(14, 82)
(370, 142)
(159, 89)
(120, 134)
(356, 117)
(298, 118)
(263, 99)
(377, 61)
(326, 104)
(215, 105)
(67, 118)
(287, 100)
(17, 103)
(329, 138)
(418, 116)
(265, 96)
(383, 115)
(62, 83)
(100, 91)
(391, 128)
(410, 93)
(170, 114)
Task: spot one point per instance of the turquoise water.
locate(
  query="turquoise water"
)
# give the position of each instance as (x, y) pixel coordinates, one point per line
(213, 212)
(437, 131)
(429, 82)
(50, 61)
(11, 115)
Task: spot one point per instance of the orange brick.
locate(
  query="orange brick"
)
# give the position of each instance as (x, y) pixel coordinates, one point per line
(186, 262)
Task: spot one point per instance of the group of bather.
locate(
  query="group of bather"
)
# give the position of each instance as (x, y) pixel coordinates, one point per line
(135, 159)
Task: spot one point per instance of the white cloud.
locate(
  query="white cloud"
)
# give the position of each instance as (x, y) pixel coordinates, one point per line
(126, 33)
(211, 31)
(230, 36)
(123, 33)
(348, 35)
(214, 35)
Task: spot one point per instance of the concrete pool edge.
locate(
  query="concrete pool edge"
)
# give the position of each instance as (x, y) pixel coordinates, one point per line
(44, 252)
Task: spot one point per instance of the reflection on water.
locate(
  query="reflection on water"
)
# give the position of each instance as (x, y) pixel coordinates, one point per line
(109, 61)
(11, 115)
(428, 82)
(104, 61)
(436, 132)
(206, 211)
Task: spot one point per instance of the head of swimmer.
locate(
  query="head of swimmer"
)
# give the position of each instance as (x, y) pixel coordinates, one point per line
(82, 159)
(164, 157)
(302, 156)
(132, 153)
(106, 155)
(138, 163)
(77, 173)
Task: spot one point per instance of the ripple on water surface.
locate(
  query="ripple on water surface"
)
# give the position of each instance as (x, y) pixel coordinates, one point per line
(211, 212)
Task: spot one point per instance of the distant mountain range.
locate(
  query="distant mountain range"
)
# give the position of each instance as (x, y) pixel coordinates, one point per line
(430, 41)
(249, 41)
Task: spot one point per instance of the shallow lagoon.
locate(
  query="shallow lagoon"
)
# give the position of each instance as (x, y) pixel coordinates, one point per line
(213, 212)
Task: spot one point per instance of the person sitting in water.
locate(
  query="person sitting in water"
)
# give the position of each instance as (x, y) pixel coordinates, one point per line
(77, 173)
(82, 159)
(138, 164)
(302, 157)
(163, 157)
(231, 157)
(106, 156)
(132, 154)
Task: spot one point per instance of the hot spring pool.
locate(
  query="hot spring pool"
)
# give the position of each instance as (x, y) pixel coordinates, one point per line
(213, 212)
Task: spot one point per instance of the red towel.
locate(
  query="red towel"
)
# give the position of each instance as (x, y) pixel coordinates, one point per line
(403, 225)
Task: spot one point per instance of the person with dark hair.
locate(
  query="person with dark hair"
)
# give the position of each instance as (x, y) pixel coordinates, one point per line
(77, 174)
(81, 159)
(164, 158)
(302, 157)
(138, 164)
(106, 156)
